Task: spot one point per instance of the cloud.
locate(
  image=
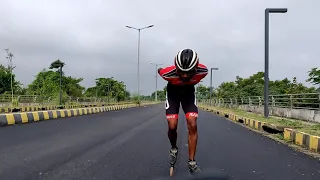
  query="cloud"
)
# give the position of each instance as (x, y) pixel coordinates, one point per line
(91, 37)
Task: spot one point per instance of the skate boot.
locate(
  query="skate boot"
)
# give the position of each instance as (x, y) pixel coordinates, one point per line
(173, 155)
(193, 167)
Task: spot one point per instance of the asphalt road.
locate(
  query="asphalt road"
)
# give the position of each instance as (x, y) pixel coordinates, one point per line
(132, 144)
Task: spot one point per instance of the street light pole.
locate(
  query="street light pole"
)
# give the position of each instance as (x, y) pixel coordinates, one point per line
(139, 29)
(211, 83)
(266, 56)
(60, 85)
(9, 57)
(156, 93)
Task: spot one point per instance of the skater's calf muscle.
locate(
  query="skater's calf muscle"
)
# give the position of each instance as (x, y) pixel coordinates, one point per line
(172, 131)
(192, 136)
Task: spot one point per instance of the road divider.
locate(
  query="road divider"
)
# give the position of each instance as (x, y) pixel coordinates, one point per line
(28, 117)
(54, 107)
(305, 140)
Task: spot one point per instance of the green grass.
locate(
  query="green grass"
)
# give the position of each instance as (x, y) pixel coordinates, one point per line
(307, 127)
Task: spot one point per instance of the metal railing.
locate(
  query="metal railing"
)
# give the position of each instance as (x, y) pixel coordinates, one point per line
(294, 101)
(34, 100)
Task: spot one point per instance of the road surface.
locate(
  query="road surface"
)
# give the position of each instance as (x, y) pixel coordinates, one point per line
(132, 144)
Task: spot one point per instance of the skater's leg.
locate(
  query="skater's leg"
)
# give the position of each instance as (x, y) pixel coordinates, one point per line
(192, 141)
(172, 111)
(172, 131)
(172, 135)
(193, 134)
(189, 106)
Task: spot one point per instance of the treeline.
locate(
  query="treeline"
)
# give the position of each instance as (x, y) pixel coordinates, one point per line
(47, 82)
(254, 86)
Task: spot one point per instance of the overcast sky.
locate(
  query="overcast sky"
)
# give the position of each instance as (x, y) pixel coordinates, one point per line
(91, 37)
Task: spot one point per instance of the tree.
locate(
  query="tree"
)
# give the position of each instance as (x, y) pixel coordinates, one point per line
(90, 92)
(47, 83)
(72, 86)
(203, 92)
(254, 86)
(161, 95)
(5, 81)
(57, 64)
(108, 87)
(314, 76)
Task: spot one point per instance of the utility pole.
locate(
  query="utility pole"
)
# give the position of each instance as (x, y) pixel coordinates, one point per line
(139, 31)
(211, 83)
(156, 93)
(60, 93)
(9, 57)
(266, 56)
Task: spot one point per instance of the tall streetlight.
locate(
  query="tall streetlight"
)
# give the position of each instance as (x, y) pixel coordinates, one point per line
(156, 95)
(58, 65)
(139, 29)
(9, 57)
(266, 56)
(211, 82)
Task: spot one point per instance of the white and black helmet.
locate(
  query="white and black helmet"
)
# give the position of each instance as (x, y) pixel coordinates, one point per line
(186, 60)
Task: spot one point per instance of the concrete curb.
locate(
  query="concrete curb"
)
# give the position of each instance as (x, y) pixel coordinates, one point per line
(52, 107)
(29, 117)
(302, 139)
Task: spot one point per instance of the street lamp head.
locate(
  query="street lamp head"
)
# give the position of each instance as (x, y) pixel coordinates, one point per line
(128, 26)
(277, 10)
(150, 26)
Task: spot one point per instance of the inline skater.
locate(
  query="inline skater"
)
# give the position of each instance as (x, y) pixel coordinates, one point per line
(182, 78)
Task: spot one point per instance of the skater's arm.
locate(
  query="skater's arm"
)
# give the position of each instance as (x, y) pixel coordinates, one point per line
(202, 71)
(168, 73)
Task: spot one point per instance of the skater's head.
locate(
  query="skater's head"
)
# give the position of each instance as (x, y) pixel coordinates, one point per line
(186, 62)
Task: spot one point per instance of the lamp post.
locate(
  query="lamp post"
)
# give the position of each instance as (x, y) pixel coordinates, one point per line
(156, 93)
(211, 83)
(9, 57)
(139, 30)
(266, 56)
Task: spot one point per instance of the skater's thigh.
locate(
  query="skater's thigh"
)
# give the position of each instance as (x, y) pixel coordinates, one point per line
(189, 105)
(172, 107)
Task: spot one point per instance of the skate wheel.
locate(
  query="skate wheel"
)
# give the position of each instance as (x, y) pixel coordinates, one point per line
(171, 171)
